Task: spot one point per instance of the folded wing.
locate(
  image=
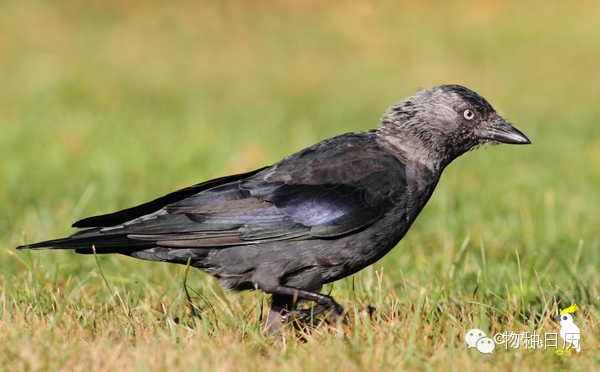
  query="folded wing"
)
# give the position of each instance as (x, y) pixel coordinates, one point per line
(333, 188)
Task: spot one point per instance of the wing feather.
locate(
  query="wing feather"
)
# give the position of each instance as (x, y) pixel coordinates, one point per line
(333, 188)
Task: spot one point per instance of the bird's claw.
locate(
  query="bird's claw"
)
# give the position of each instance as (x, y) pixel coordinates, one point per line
(336, 312)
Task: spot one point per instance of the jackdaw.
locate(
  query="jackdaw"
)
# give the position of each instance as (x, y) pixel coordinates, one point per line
(315, 217)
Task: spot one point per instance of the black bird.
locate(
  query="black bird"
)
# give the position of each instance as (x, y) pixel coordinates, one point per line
(312, 218)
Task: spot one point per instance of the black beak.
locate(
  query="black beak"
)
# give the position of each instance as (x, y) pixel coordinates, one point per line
(558, 318)
(501, 131)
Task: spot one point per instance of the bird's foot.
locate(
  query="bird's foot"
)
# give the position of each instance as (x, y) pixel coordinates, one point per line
(285, 298)
(304, 314)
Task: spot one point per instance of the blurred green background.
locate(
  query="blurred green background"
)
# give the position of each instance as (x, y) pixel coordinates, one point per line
(107, 104)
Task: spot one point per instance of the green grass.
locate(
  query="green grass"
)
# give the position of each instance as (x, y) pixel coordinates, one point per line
(105, 105)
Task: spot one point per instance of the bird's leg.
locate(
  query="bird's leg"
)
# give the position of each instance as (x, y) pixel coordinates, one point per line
(280, 306)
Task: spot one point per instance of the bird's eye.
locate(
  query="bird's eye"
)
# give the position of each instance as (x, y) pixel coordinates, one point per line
(469, 114)
(564, 318)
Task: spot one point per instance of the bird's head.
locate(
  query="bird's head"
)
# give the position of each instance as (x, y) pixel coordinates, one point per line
(564, 318)
(565, 314)
(447, 120)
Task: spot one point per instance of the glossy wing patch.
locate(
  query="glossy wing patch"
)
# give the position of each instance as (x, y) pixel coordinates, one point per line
(329, 210)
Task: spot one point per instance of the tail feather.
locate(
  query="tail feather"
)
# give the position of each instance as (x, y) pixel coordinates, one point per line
(93, 241)
(83, 241)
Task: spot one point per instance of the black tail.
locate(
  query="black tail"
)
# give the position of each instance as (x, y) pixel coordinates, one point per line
(83, 241)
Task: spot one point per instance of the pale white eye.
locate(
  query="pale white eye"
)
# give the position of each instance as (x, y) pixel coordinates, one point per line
(469, 114)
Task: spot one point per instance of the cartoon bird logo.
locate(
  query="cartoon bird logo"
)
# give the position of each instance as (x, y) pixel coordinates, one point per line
(568, 330)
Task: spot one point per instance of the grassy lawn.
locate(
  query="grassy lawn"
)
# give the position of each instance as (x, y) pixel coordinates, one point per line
(108, 104)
